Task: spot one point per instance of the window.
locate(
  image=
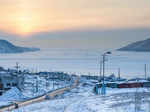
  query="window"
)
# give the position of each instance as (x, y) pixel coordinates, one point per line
(14, 84)
(8, 84)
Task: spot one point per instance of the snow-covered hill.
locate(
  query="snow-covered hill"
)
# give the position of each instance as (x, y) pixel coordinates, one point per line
(143, 45)
(7, 47)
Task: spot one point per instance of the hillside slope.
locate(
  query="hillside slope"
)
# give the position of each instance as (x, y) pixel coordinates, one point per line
(139, 46)
(7, 47)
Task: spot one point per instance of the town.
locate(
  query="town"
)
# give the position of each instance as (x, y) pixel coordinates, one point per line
(74, 55)
(28, 88)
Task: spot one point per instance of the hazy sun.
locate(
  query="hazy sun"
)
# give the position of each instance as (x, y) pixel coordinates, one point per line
(24, 25)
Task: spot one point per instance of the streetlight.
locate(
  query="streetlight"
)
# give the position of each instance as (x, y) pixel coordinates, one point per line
(103, 89)
(100, 70)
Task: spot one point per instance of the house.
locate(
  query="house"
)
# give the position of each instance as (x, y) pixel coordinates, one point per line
(9, 80)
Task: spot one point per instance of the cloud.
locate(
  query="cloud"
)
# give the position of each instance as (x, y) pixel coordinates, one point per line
(81, 39)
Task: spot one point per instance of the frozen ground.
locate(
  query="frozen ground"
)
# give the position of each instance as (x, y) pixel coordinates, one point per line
(82, 99)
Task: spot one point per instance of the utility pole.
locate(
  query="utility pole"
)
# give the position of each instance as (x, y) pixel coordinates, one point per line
(17, 67)
(145, 70)
(103, 89)
(119, 73)
(37, 85)
(53, 82)
(103, 67)
(100, 70)
(46, 83)
(17, 72)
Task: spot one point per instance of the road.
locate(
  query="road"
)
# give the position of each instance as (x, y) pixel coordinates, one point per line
(50, 95)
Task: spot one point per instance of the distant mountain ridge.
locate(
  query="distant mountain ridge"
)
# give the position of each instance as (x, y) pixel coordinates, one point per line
(139, 46)
(7, 47)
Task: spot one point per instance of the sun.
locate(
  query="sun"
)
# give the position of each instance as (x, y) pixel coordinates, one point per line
(24, 25)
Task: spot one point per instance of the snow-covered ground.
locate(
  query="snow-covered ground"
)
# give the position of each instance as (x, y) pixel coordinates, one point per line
(36, 85)
(123, 100)
(60, 103)
(82, 99)
(33, 86)
(11, 96)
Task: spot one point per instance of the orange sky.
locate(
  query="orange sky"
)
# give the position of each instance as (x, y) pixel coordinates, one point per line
(28, 16)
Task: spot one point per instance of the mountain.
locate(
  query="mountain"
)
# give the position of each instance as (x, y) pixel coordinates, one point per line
(139, 46)
(7, 47)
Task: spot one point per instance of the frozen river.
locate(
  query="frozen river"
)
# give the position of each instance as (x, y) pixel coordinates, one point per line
(80, 61)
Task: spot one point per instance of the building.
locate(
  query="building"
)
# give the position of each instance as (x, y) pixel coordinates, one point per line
(9, 80)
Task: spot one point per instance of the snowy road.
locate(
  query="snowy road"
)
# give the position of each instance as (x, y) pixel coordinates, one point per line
(42, 98)
(60, 103)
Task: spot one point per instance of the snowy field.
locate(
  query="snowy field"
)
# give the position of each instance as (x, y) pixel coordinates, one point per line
(82, 99)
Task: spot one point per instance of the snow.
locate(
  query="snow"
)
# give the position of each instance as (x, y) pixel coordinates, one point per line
(116, 100)
(31, 89)
(2, 103)
(10, 96)
(82, 99)
(61, 102)
(111, 91)
(34, 86)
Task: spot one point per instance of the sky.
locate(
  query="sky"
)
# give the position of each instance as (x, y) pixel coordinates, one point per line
(74, 23)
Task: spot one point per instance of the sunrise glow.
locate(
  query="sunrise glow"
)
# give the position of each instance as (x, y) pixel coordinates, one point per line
(27, 16)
